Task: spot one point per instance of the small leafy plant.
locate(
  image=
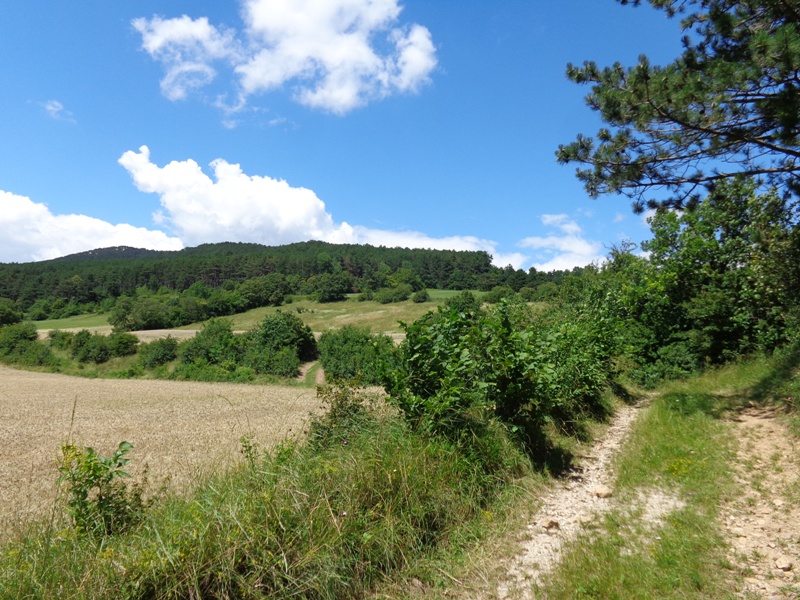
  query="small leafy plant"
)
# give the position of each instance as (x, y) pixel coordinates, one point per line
(99, 503)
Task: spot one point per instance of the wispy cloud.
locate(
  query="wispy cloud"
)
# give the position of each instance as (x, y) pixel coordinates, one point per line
(55, 110)
(334, 55)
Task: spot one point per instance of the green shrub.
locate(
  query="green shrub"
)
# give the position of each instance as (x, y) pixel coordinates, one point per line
(497, 293)
(354, 353)
(421, 296)
(459, 370)
(283, 362)
(464, 302)
(122, 344)
(90, 347)
(9, 312)
(16, 335)
(158, 352)
(279, 345)
(61, 340)
(331, 287)
(214, 344)
(19, 345)
(399, 293)
(34, 354)
(201, 371)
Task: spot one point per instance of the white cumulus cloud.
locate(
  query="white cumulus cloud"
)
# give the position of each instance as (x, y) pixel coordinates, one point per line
(334, 55)
(235, 206)
(564, 250)
(32, 233)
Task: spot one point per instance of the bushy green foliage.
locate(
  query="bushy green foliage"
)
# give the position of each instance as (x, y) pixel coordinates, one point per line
(215, 344)
(421, 296)
(354, 353)
(90, 347)
(99, 503)
(13, 336)
(9, 312)
(497, 293)
(122, 344)
(60, 339)
(268, 290)
(331, 287)
(224, 302)
(203, 371)
(279, 345)
(19, 345)
(720, 282)
(158, 352)
(399, 293)
(464, 302)
(459, 370)
(275, 347)
(135, 314)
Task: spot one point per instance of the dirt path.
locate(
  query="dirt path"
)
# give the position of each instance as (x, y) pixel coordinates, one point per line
(573, 502)
(762, 520)
(319, 376)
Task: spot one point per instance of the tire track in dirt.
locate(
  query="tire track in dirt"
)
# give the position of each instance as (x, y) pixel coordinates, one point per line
(574, 501)
(762, 519)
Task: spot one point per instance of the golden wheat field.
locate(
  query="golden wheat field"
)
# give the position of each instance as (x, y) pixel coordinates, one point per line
(180, 429)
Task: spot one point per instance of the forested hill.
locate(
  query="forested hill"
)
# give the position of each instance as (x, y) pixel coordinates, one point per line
(113, 272)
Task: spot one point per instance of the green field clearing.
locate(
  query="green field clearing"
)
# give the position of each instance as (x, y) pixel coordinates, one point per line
(77, 322)
(380, 318)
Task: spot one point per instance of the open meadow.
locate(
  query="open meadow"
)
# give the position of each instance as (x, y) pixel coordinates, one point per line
(180, 429)
(379, 318)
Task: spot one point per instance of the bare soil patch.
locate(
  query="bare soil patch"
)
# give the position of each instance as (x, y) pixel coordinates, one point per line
(181, 429)
(762, 520)
(144, 336)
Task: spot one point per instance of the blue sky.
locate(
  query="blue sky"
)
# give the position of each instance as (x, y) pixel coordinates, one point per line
(420, 123)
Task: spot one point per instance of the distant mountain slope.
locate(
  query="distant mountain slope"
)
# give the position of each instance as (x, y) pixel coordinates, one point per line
(107, 273)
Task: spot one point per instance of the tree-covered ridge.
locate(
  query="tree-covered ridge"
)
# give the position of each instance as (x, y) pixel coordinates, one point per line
(327, 270)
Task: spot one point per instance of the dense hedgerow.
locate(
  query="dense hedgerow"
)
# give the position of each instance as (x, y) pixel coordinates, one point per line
(459, 369)
(277, 346)
(19, 345)
(158, 352)
(354, 353)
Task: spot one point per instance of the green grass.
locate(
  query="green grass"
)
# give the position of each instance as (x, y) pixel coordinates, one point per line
(364, 503)
(76, 322)
(380, 318)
